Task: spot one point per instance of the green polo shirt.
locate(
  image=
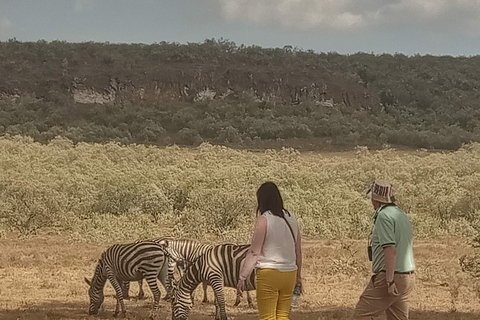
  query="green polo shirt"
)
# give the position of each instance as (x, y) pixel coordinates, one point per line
(392, 228)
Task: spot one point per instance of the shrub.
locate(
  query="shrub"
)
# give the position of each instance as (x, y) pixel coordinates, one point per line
(210, 190)
(229, 134)
(27, 207)
(189, 137)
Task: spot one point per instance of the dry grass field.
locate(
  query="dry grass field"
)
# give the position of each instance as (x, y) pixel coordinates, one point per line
(42, 278)
(62, 204)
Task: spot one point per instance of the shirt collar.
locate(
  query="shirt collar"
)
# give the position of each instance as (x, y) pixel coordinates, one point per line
(378, 211)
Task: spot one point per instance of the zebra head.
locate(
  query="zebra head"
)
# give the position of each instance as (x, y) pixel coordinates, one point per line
(182, 303)
(96, 289)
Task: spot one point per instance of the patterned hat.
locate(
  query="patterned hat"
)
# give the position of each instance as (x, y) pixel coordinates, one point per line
(381, 191)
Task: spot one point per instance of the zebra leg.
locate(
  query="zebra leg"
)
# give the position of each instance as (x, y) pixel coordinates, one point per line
(126, 289)
(217, 284)
(118, 289)
(204, 286)
(249, 299)
(141, 294)
(163, 278)
(151, 279)
(237, 300)
(170, 279)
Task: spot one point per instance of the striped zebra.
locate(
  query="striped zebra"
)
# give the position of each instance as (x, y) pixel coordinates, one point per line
(184, 252)
(220, 267)
(181, 253)
(127, 262)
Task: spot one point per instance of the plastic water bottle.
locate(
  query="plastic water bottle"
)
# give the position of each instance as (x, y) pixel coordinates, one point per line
(296, 295)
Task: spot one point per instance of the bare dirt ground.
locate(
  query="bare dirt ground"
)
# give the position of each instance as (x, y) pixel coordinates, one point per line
(42, 278)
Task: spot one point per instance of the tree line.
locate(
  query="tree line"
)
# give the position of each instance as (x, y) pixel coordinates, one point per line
(220, 92)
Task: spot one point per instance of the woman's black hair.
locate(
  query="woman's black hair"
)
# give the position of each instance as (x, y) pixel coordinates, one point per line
(269, 198)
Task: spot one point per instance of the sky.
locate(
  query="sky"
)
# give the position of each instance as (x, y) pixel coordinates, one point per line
(436, 27)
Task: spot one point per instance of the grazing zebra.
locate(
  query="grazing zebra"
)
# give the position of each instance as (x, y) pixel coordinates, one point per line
(220, 267)
(127, 262)
(167, 281)
(183, 252)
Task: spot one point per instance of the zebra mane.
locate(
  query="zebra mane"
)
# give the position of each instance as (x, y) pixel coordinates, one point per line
(191, 273)
(99, 277)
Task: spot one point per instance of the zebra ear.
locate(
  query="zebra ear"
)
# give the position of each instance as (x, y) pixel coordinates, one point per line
(163, 243)
(87, 281)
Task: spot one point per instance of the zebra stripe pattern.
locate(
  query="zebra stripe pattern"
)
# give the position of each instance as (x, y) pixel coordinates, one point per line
(185, 250)
(220, 267)
(181, 252)
(127, 262)
(188, 251)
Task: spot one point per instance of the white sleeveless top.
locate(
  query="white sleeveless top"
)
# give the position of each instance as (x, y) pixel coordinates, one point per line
(278, 250)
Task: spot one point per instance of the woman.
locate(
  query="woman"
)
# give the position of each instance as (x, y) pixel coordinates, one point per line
(276, 252)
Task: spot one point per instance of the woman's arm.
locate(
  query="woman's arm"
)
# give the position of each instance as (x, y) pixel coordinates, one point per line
(256, 246)
(253, 253)
(298, 253)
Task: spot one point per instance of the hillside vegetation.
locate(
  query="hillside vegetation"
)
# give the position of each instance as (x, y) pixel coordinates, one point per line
(219, 92)
(109, 192)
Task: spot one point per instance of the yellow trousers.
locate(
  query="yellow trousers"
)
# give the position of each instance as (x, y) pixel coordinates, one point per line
(274, 293)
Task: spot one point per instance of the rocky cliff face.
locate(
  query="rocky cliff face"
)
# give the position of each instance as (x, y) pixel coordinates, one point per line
(99, 73)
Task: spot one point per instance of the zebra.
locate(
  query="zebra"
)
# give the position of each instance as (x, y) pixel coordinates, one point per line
(166, 278)
(186, 251)
(183, 252)
(127, 262)
(220, 267)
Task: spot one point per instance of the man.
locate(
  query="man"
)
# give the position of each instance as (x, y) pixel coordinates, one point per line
(392, 259)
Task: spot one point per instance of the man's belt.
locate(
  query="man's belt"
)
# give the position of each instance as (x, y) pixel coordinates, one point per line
(407, 272)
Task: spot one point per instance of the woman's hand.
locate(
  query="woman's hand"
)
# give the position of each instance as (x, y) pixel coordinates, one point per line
(240, 288)
(299, 282)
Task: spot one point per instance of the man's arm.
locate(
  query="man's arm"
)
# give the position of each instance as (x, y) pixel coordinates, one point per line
(390, 261)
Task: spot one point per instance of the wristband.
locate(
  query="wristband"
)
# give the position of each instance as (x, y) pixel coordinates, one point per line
(242, 278)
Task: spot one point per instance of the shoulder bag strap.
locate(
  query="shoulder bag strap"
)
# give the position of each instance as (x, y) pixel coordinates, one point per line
(289, 227)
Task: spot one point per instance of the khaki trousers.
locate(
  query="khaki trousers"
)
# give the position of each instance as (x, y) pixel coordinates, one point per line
(375, 299)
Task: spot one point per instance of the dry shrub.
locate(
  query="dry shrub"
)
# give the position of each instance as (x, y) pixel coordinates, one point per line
(27, 207)
(210, 190)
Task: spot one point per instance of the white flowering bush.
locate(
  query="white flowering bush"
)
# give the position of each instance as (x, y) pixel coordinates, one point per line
(209, 191)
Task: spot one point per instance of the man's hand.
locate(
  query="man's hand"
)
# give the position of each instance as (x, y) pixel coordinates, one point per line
(392, 289)
(240, 288)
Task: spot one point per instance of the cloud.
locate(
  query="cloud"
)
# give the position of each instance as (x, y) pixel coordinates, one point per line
(83, 5)
(354, 15)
